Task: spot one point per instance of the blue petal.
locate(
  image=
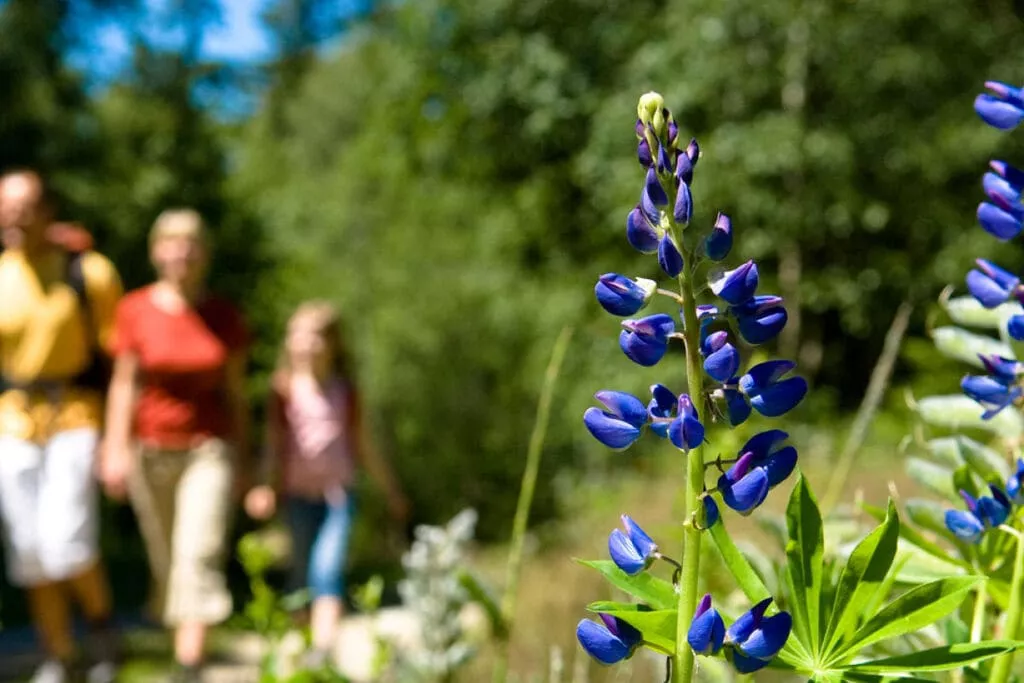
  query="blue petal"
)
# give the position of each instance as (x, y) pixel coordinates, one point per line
(997, 113)
(780, 465)
(763, 375)
(740, 468)
(747, 623)
(711, 513)
(684, 168)
(992, 513)
(1013, 175)
(1013, 489)
(640, 233)
(736, 286)
(718, 244)
(640, 350)
(686, 433)
(763, 444)
(600, 643)
(723, 363)
(657, 326)
(610, 430)
(643, 153)
(746, 494)
(998, 223)
(665, 164)
(624, 554)
(964, 526)
(986, 290)
(653, 196)
(1001, 192)
(669, 258)
(744, 664)
(781, 397)
(737, 407)
(624, 406)
(766, 641)
(1005, 370)
(707, 631)
(619, 295)
(683, 209)
(763, 326)
(1015, 327)
(643, 543)
(663, 401)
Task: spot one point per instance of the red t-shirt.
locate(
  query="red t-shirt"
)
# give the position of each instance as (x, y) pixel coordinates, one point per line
(182, 361)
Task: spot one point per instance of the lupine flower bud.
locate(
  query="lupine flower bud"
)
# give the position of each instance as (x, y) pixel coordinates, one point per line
(736, 286)
(1003, 225)
(1015, 327)
(1013, 485)
(669, 258)
(641, 234)
(686, 432)
(619, 295)
(643, 153)
(744, 486)
(721, 359)
(683, 209)
(990, 393)
(753, 640)
(760, 319)
(609, 643)
(621, 423)
(710, 513)
(684, 169)
(645, 341)
(650, 103)
(1002, 192)
(662, 406)
(768, 393)
(718, 244)
(632, 551)
(707, 630)
(653, 196)
(665, 164)
(1003, 108)
(990, 284)
(673, 133)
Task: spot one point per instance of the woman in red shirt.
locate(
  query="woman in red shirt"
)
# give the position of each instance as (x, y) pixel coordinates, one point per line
(176, 421)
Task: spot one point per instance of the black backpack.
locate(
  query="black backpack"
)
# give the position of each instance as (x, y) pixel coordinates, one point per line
(97, 373)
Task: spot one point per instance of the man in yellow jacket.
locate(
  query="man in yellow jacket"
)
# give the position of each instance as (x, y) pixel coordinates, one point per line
(56, 310)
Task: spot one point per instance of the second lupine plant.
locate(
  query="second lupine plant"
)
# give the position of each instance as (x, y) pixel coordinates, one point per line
(708, 336)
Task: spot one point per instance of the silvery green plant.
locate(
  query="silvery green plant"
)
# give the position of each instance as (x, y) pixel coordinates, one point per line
(434, 590)
(832, 619)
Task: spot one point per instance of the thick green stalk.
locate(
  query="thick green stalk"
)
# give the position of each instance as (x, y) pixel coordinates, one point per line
(526, 489)
(1003, 667)
(682, 671)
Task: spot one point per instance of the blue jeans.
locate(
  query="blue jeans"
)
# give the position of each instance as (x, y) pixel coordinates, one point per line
(320, 534)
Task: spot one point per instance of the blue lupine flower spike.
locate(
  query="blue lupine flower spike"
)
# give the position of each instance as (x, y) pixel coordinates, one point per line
(610, 642)
(707, 630)
(620, 424)
(1003, 108)
(718, 244)
(645, 341)
(632, 551)
(619, 295)
(753, 640)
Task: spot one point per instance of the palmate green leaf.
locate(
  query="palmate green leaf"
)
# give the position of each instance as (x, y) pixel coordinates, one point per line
(655, 592)
(957, 412)
(915, 609)
(940, 658)
(804, 561)
(863, 575)
(658, 627)
(935, 478)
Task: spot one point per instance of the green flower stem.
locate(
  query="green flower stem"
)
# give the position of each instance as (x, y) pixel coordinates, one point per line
(978, 618)
(682, 669)
(526, 490)
(1003, 667)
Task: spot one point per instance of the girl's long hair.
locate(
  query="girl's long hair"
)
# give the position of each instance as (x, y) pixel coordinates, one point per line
(329, 325)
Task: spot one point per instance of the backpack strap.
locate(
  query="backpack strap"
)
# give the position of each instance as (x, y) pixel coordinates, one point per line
(97, 373)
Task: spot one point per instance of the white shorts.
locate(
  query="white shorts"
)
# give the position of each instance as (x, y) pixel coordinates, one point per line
(48, 504)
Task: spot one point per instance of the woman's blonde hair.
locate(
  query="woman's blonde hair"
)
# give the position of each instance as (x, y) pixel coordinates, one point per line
(325, 318)
(178, 223)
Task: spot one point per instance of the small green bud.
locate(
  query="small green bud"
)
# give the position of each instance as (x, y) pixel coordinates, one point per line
(649, 105)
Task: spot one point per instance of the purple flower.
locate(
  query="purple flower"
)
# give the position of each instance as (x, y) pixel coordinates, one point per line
(1003, 225)
(718, 244)
(632, 551)
(683, 209)
(669, 258)
(1003, 193)
(661, 408)
(753, 640)
(641, 235)
(653, 196)
(686, 432)
(760, 319)
(990, 393)
(645, 341)
(721, 359)
(1014, 490)
(707, 630)
(736, 407)
(990, 284)
(710, 512)
(743, 486)
(610, 642)
(1015, 327)
(1003, 108)
(779, 462)
(769, 394)
(619, 295)
(736, 286)
(686, 162)
(982, 514)
(621, 423)
(1005, 370)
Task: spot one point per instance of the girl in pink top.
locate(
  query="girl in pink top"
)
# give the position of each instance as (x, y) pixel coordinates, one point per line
(316, 442)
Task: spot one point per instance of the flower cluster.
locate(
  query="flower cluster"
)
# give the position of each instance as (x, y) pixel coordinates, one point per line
(986, 512)
(1002, 216)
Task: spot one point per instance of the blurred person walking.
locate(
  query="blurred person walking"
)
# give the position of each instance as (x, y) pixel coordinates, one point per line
(57, 301)
(315, 440)
(177, 430)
